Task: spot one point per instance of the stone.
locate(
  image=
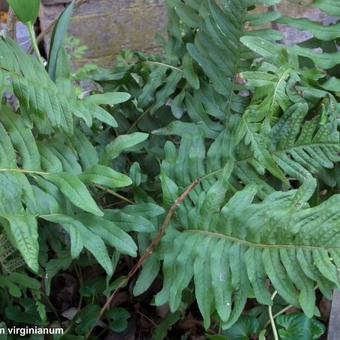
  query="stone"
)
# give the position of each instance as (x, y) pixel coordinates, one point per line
(107, 27)
(3, 5)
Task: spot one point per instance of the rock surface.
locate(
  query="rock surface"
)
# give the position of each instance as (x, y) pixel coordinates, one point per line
(107, 27)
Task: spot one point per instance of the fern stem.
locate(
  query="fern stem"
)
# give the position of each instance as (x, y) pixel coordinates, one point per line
(260, 245)
(114, 194)
(24, 171)
(284, 310)
(42, 173)
(272, 322)
(34, 42)
(135, 123)
(213, 173)
(164, 65)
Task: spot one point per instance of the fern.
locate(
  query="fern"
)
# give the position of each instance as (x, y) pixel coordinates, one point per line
(230, 249)
(246, 230)
(305, 147)
(256, 122)
(44, 177)
(294, 148)
(39, 96)
(323, 36)
(300, 147)
(204, 57)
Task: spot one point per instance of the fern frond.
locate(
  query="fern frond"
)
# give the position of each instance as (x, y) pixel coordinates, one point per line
(321, 48)
(39, 96)
(276, 238)
(229, 247)
(300, 147)
(331, 7)
(318, 30)
(304, 147)
(204, 46)
(47, 164)
(194, 159)
(268, 85)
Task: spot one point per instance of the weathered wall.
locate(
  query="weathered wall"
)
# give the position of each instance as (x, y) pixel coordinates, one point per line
(108, 26)
(3, 5)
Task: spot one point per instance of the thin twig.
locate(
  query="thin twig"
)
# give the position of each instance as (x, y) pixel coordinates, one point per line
(34, 43)
(113, 193)
(284, 310)
(276, 337)
(163, 65)
(136, 122)
(147, 318)
(149, 251)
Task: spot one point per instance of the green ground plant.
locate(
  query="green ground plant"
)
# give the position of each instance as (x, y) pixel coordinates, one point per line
(222, 154)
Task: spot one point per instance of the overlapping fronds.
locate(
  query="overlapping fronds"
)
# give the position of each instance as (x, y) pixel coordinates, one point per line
(46, 177)
(300, 147)
(229, 245)
(246, 231)
(256, 122)
(39, 97)
(229, 250)
(204, 56)
(323, 36)
(294, 147)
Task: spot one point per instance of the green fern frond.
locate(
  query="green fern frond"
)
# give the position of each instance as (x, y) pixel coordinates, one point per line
(300, 147)
(229, 247)
(39, 96)
(194, 159)
(204, 46)
(331, 7)
(47, 164)
(276, 238)
(323, 37)
(305, 147)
